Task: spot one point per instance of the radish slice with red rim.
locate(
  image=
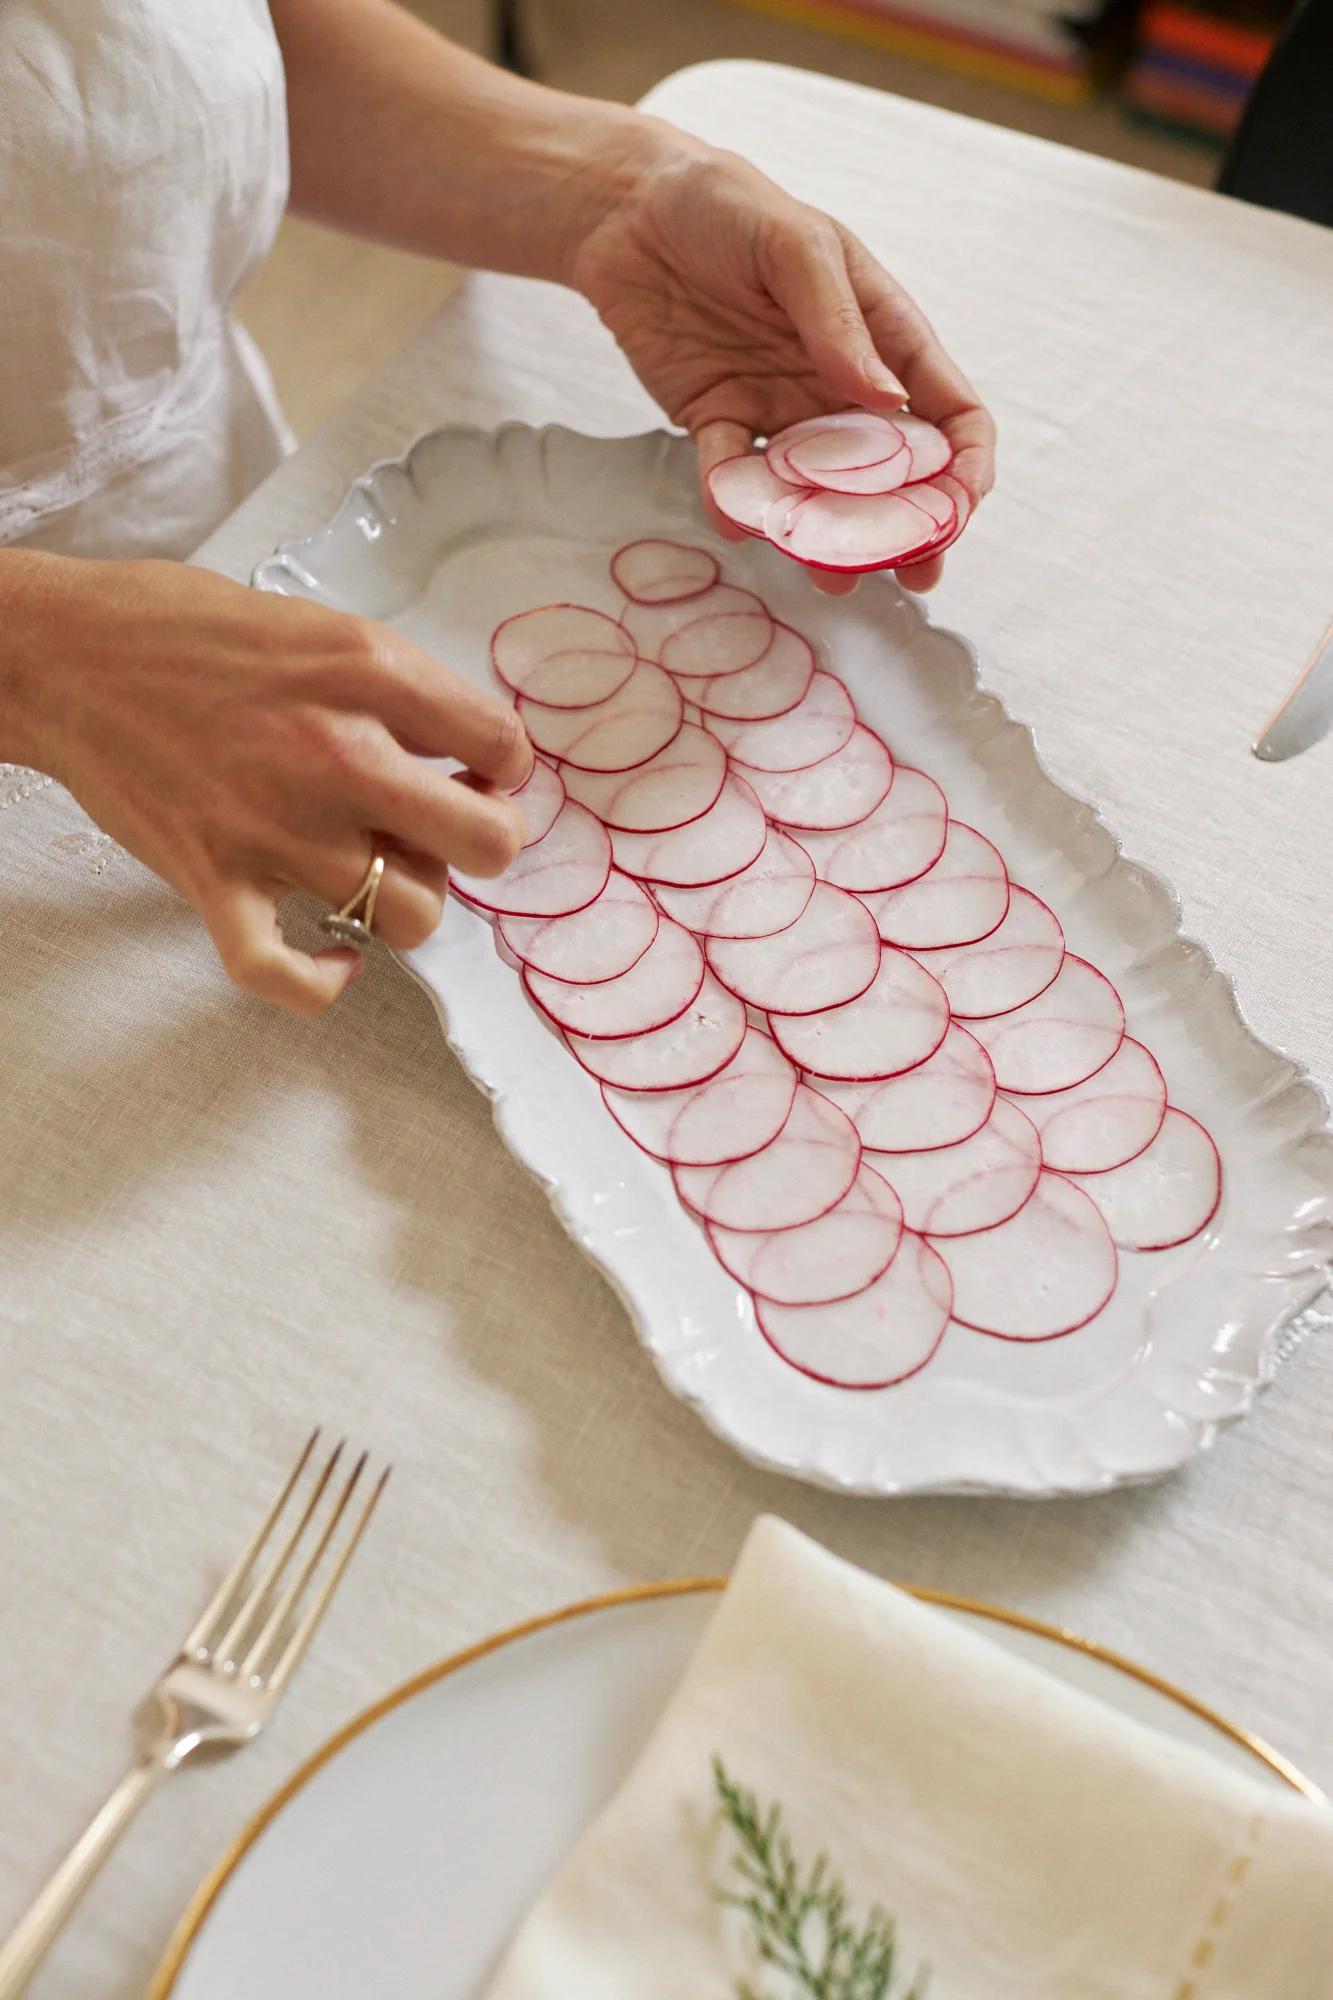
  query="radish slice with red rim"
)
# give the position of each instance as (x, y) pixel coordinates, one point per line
(598, 942)
(860, 423)
(669, 789)
(563, 655)
(896, 843)
(820, 724)
(951, 489)
(661, 572)
(940, 1102)
(772, 686)
(1057, 1040)
(868, 481)
(502, 951)
(632, 725)
(933, 500)
(876, 1338)
(730, 1116)
(898, 1021)
(765, 897)
(1018, 960)
(840, 790)
(964, 897)
(1105, 1120)
(1047, 1271)
(718, 643)
(797, 1176)
(690, 1049)
(852, 532)
(566, 870)
(539, 798)
(931, 451)
(745, 488)
(982, 1181)
(1167, 1193)
(867, 441)
(650, 626)
(829, 955)
(658, 986)
(720, 843)
(819, 1262)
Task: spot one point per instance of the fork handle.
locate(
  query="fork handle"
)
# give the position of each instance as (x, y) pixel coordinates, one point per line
(34, 1934)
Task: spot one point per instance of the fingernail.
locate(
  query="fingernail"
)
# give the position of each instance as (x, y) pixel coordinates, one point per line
(883, 378)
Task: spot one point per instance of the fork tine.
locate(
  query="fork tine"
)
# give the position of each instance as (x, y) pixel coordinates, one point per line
(290, 1657)
(220, 1604)
(264, 1645)
(257, 1600)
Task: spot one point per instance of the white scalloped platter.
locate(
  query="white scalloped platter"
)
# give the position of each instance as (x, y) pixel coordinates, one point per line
(472, 526)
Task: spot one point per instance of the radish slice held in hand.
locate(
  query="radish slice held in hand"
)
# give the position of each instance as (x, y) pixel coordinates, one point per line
(765, 897)
(931, 451)
(964, 897)
(1059, 1039)
(1047, 1271)
(690, 1049)
(743, 489)
(816, 1263)
(894, 844)
(1016, 962)
(876, 1338)
(598, 942)
(839, 791)
(1167, 1193)
(852, 533)
(651, 626)
(856, 437)
(658, 986)
(633, 724)
(799, 1175)
(729, 837)
(982, 1181)
(896, 1022)
(539, 798)
(820, 724)
(566, 870)
(829, 955)
(772, 686)
(1105, 1120)
(563, 655)
(674, 786)
(661, 572)
(728, 1117)
(939, 1102)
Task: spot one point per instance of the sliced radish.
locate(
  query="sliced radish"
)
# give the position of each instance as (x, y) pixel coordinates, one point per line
(838, 791)
(982, 1181)
(897, 842)
(1167, 1193)
(951, 489)
(1013, 965)
(502, 951)
(770, 687)
(658, 986)
(876, 1338)
(633, 724)
(930, 449)
(821, 722)
(886, 476)
(690, 1049)
(934, 501)
(676, 785)
(829, 955)
(539, 798)
(659, 572)
(730, 1116)
(962, 898)
(800, 1174)
(745, 488)
(717, 644)
(1049, 1269)
(720, 843)
(1057, 1040)
(842, 531)
(1105, 1120)
(816, 1263)
(941, 1102)
(765, 897)
(862, 424)
(897, 1022)
(599, 942)
(565, 870)
(866, 441)
(650, 626)
(564, 655)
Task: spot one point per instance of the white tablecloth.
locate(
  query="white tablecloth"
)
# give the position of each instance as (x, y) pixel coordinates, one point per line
(219, 1224)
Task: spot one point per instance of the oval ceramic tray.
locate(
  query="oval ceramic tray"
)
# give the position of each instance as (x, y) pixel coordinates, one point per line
(471, 526)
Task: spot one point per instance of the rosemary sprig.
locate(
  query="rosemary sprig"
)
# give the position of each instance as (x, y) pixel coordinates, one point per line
(799, 1917)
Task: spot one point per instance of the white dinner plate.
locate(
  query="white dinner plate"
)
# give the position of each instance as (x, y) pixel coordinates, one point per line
(399, 1859)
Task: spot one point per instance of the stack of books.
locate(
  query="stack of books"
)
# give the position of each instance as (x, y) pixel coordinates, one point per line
(1043, 47)
(1194, 70)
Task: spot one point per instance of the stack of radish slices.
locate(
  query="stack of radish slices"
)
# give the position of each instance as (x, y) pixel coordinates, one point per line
(886, 1090)
(852, 491)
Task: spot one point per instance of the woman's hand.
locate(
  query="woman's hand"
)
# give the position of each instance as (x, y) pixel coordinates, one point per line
(742, 310)
(245, 745)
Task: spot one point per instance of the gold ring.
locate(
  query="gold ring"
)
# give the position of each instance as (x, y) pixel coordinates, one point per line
(353, 922)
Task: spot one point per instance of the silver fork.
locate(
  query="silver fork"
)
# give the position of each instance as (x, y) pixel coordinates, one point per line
(232, 1669)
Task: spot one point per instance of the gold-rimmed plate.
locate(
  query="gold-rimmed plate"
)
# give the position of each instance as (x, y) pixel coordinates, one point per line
(400, 1856)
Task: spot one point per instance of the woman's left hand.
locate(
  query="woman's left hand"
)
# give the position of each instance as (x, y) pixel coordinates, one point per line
(742, 310)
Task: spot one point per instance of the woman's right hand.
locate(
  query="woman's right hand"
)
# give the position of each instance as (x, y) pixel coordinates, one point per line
(244, 745)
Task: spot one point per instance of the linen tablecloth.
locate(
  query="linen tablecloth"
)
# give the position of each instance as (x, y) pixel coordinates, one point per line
(218, 1224)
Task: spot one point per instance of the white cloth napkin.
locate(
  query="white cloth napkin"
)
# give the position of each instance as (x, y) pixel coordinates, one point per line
(1029, 1842)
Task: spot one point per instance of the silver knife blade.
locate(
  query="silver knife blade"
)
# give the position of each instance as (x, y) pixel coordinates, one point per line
(1307, 713)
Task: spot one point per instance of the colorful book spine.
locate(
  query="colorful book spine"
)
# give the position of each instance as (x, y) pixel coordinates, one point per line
(1193, 70)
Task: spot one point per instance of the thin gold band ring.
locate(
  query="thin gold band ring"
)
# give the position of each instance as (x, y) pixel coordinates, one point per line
(354, 922)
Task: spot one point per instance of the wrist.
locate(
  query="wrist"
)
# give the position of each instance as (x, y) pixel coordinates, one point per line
(619, 153)
(32, 655)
